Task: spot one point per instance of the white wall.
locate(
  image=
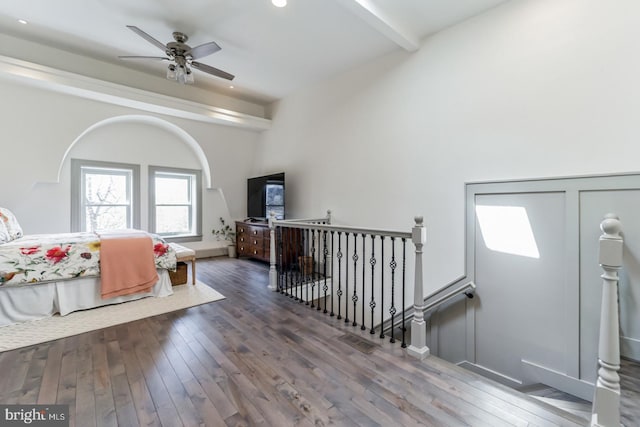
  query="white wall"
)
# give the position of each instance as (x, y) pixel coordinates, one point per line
(39, 126)
(533, 88)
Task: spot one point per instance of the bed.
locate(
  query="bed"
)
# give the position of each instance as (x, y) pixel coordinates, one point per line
(45, 274)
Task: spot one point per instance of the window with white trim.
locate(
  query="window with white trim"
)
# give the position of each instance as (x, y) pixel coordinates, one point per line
(175, 210)
(104, 196)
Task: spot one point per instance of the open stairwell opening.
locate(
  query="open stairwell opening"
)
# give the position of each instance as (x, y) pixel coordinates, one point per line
(371, 283)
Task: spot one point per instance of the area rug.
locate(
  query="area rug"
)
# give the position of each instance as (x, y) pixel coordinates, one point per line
(53, 328)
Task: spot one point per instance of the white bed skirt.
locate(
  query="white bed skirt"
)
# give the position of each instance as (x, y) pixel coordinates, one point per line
(33, 302)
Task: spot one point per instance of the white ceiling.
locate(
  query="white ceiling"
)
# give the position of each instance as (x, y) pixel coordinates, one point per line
(271, 51)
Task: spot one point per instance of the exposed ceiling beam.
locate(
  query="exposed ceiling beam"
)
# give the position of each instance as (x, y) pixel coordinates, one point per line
(382, 23)
(112, 93)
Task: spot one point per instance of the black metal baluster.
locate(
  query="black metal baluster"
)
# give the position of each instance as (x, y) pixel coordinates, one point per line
(364, 268)
(346, 279)
(372, 262)
(311, 268)
(382, 287)
(279, 269)
(354, 298)
(332, 275)
(286, 234)
(293, 245)
(304, 286)
(404, 264)
(339, 256)
(325, 252)
(393, 265)
(305, 273)
(299, 278)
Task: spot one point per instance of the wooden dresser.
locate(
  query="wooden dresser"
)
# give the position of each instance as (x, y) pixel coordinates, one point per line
(253, 239)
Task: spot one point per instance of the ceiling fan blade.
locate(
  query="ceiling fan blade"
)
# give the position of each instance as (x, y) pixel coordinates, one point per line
(211, 70)
(203, 50)
(159, 58)
(147, 37)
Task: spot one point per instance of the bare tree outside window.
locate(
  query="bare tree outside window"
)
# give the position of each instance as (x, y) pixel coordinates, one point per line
(106, 201)
(104, 195)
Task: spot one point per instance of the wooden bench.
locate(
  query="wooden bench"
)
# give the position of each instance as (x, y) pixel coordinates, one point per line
(184, 254)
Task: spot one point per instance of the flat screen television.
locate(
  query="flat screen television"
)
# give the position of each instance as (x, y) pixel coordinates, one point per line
(265, 194)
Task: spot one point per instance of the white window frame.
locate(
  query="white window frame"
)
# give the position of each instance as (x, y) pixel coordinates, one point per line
(79, 169)
(195, 207)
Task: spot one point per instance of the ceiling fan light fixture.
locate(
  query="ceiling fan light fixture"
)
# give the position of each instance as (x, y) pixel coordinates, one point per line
(181, 56)
(171, 72)
(189, 77)
(183, 75)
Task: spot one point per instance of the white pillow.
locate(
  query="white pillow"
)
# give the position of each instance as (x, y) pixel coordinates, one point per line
(11, 223)
(4, 233)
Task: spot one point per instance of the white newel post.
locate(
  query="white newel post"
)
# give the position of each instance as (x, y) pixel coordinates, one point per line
(418, 347)
(606, 401)
(273, 273)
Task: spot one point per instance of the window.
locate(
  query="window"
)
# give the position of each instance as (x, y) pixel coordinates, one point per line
(104, 196)
(175, 210)
(275, 200)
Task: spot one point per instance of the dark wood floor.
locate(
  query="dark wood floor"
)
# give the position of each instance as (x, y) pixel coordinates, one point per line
(255, 358)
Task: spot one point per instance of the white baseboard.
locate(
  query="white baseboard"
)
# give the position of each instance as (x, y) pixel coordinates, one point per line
(537, 374)
(489, 373)
(630, 348)
(211, 252)
(558, 380)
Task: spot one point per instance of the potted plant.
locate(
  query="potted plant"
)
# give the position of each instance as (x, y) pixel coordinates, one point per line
(229, 235)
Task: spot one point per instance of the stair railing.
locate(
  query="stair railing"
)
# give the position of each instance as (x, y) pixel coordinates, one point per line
(606, 401)
(352, 273)
(273, 255)
(439, 297)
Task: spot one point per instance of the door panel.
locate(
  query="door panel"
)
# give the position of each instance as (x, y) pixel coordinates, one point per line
(521, 297)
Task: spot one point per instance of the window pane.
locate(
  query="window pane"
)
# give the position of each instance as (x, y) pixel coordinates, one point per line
(275, 194)
(106, 188)
(279, 211)
(106, 217)
(172, 219)
(172, 190)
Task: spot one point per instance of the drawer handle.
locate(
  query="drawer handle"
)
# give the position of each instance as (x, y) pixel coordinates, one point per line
(242, 230)
(255, 231)
(255, 242)
(242, 239)
(255, 252)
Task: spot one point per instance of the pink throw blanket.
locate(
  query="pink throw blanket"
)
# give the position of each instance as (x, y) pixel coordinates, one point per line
(127, 264)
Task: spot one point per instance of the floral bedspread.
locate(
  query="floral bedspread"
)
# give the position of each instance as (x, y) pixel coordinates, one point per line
(40, 258)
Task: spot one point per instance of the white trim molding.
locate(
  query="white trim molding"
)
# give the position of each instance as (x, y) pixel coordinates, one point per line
(98, 90)
(182, 135)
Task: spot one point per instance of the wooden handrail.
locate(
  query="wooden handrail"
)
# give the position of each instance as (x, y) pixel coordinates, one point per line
(343, 229)
(470, 286)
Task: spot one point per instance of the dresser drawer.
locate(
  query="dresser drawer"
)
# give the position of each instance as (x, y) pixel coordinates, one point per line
(253, 240)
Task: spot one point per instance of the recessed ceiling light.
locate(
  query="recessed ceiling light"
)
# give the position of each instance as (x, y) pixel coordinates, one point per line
(279, 3)
(231, 87)
(22, 21)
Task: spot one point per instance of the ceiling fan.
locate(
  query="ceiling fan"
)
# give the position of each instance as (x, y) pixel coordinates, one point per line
(182, 55)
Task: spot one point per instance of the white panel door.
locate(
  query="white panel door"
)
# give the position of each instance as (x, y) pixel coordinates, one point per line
(521, 278)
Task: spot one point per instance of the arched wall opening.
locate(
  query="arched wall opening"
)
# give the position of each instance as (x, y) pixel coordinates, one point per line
(153, 122)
